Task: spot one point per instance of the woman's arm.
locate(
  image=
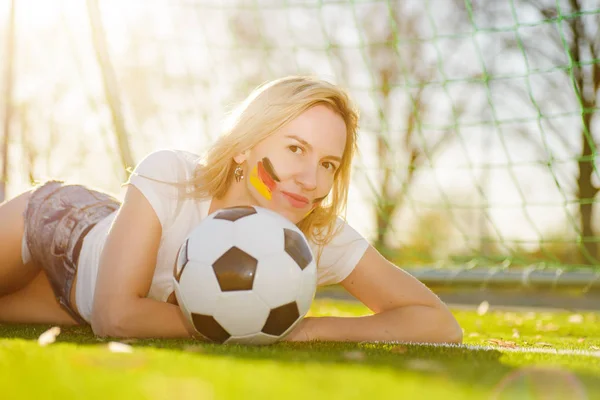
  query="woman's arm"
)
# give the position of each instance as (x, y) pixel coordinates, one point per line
(127, 266)
(405, 309)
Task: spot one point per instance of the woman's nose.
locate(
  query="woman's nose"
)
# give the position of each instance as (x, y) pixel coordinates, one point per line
(307, 176)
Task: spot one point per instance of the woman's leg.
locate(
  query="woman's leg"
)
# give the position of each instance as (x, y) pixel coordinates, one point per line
(25, 292)
(34, 304)
(14, 275)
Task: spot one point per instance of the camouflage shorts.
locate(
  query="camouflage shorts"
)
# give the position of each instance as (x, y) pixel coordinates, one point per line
(57, 218)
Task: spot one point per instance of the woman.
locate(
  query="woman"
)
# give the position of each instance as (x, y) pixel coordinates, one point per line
(73, 255)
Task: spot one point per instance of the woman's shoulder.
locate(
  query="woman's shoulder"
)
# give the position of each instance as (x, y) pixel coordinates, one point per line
(162, 176)
(338, 239)
(167, 164)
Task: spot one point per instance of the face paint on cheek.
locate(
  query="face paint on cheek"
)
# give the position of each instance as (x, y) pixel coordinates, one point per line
(267, 173)
(263, 178)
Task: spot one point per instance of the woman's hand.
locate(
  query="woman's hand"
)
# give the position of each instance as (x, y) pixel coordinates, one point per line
(301, 333)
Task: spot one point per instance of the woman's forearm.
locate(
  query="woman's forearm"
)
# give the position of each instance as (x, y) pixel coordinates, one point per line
(148, 318)
(419, 324)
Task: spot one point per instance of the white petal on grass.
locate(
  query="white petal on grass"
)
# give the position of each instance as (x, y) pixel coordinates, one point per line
(575, 318)
(49, 336)
(483, 308)
(117, 347)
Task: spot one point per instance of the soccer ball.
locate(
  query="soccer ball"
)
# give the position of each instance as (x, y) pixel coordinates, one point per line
(245, 275)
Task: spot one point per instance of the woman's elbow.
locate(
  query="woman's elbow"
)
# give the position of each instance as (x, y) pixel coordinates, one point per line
(451, 330)
(455, 335)
(108, 323)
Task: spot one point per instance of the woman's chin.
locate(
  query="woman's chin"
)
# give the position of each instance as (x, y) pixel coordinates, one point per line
(285, 212)
(279, 206)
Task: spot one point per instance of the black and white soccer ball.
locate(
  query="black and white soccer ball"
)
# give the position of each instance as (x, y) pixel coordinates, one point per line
(245, 275)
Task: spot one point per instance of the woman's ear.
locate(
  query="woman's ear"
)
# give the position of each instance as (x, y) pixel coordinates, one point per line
(241, 157)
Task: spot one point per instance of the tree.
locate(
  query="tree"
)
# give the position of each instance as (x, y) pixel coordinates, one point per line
(402, 65)
(568, 39)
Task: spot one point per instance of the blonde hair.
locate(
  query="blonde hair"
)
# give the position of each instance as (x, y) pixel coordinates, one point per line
(268, 108)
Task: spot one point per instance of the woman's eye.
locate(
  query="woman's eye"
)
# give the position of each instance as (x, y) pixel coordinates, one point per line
(329, 166)
(295, 149)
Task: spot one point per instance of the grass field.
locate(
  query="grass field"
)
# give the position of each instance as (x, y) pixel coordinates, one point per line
(506, 355)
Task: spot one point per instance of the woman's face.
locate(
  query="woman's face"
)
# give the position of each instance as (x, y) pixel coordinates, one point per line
(292, 170)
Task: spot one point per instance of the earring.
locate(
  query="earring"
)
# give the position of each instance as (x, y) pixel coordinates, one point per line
(238, 173)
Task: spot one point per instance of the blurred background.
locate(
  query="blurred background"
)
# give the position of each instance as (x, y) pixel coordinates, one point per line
(478, 129)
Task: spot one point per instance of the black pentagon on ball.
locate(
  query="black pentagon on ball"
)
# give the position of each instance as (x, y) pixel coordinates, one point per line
(182, 259)
(208, 327)
(234, 213)
(296, 246)
(281, 318)
(235, 270)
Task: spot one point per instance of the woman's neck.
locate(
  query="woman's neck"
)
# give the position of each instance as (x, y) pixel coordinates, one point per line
(236, 195)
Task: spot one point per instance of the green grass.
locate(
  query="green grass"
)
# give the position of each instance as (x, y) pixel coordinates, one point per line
(507, 355)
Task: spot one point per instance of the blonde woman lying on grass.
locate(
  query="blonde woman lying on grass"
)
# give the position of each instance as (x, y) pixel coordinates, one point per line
(73, 255)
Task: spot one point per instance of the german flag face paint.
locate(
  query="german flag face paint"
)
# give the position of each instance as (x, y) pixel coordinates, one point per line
(263, 178)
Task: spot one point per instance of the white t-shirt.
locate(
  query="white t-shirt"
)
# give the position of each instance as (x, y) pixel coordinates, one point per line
(178, 215)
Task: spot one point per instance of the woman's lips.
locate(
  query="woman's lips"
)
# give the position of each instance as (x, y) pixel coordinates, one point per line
(295, 200)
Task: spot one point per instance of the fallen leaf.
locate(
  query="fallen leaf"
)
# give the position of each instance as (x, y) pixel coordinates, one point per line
(116, 347)
(483, 308)
(575, 318)
(580, 340)
(503, 343)
(544, 344)
(473, 334)
(49, 336)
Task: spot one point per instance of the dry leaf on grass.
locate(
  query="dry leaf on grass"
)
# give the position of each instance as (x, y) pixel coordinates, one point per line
(49, 336)
(575, 318)
(503, 343)
(116, 347)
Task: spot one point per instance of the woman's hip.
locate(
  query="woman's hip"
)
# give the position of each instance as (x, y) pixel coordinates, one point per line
(57, 218)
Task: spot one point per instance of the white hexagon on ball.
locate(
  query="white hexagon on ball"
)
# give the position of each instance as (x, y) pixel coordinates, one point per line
(200, 286)
(241, 313)
(259, 235)
(277, 279)
(217, 232)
